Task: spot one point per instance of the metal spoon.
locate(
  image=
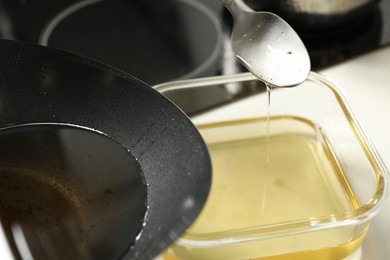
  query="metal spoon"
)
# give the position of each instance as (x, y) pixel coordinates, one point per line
(268, 47)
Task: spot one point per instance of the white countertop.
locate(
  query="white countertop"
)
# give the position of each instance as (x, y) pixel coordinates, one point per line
(365, 82)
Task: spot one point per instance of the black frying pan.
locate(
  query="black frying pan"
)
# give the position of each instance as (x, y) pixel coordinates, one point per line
(43, 85)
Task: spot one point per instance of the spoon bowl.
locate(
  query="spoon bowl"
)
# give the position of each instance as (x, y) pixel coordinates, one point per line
(268, 47)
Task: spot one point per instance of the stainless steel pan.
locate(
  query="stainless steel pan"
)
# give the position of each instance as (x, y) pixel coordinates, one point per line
(319, 14)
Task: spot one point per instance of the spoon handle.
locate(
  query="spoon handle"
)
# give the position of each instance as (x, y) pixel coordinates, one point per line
(227, 2)
(232, 6)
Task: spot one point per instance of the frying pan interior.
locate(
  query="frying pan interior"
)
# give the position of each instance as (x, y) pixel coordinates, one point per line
(47, 88)
(72, 192)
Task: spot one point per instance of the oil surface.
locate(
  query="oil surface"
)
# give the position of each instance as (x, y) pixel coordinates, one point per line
(68, 193)
(301, 181)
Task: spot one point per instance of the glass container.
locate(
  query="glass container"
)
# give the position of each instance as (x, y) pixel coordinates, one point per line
(299, 181)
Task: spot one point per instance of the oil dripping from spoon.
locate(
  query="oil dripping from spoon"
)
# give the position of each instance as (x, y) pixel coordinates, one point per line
(267, 125)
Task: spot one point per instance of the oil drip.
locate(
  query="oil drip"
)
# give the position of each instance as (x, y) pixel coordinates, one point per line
(267, 147)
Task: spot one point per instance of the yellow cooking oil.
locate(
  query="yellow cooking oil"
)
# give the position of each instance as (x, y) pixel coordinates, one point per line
(272, 178)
